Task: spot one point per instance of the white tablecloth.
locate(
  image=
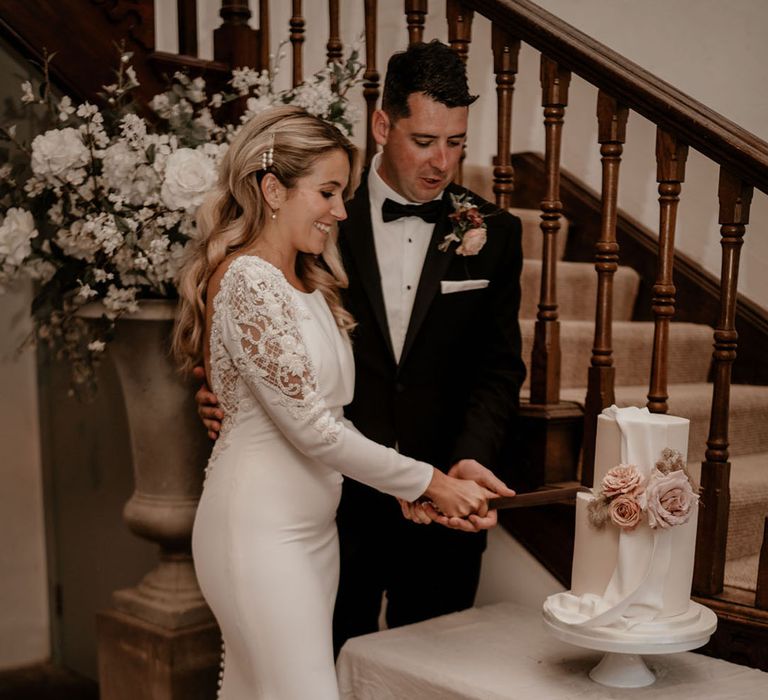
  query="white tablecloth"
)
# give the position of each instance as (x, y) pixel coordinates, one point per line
(503, 652)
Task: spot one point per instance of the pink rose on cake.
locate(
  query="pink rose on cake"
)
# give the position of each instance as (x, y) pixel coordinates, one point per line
(669, 499)
(625, 511)
(622, 479)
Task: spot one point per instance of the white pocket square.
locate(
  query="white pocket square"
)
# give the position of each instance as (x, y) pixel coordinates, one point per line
(451, 286)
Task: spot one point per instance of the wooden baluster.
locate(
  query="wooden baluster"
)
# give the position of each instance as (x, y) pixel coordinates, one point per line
(297, 39)
(415, 14)
(187, 14)
(611, 134)
(506, 49)
(670, 173)
(234, 42)
(334, 46)
(459, 37)
(735, 197)
(371, 76)
(545, 359)
(459, 27)
(761, 593)
(264, 34)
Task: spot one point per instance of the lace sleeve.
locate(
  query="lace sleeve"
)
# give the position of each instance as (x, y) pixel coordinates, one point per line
(260, 330)
(270, 350)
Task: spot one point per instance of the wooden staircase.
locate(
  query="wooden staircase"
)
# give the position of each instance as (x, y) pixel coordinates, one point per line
(596, 299)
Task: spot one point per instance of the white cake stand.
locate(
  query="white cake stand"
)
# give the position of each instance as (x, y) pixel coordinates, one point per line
(622, 666)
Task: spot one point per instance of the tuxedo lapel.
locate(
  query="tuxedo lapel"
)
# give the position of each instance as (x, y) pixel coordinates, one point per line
(359, 239)
(435, 265)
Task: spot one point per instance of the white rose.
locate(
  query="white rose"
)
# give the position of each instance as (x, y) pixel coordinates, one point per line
(189, 175)
(17, 231)
(119, 164)
(57, 151)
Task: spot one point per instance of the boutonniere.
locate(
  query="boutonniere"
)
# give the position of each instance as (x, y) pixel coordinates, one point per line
(469, 229)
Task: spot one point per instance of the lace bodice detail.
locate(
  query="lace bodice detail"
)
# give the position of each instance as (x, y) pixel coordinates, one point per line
(256, 302)
(260, 362)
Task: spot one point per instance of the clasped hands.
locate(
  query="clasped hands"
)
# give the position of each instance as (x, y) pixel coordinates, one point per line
(424, 513)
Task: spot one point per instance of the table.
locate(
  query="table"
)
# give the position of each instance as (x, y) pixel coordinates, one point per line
(503, 652)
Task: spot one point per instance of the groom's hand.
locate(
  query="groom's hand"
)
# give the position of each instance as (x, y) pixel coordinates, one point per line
(472, 469)
(207, 405)
(422, 512)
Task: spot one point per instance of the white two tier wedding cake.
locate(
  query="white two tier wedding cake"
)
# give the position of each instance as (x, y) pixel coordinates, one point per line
(635, 541)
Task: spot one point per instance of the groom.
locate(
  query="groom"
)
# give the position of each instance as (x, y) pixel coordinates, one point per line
(437, 348)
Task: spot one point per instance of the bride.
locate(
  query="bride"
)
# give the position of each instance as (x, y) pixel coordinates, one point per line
(260, 306)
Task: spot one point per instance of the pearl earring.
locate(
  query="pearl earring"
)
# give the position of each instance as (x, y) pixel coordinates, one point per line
(274, 215)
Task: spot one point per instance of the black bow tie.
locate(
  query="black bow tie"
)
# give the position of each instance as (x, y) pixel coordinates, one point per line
(429, 211)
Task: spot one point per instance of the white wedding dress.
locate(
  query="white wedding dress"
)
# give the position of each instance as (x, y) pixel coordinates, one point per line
(264, 540)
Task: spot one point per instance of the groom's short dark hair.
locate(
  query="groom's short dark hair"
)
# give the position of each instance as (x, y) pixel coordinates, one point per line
(434, 69)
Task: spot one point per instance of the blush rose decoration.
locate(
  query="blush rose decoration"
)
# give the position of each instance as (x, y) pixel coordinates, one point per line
(100, 207)
(669, 499)
(625, 497)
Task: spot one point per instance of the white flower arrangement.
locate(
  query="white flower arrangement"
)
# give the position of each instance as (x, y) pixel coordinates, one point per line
(101, 206)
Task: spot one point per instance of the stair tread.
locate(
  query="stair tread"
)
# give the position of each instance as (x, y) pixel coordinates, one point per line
(689, 351)
(577, 290)
(742, 572)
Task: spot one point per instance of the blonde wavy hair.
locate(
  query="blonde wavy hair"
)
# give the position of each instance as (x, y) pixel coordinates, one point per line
(234, 213)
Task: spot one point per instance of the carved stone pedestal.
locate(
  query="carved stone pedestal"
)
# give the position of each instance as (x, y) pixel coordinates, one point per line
(142, 661)
(553, 439)
(159, 641)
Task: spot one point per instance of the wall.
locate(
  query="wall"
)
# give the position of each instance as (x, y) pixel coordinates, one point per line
(24, 626)
(24, 629)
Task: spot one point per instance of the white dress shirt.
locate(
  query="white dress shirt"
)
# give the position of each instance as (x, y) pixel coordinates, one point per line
(401, 247)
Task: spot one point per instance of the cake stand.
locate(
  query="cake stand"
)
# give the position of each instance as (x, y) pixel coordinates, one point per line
(623, 666)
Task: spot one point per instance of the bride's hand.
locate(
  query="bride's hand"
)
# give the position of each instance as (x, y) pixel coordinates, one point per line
(458, 497)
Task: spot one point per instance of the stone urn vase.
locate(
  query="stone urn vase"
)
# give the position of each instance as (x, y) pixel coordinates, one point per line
(169, 450)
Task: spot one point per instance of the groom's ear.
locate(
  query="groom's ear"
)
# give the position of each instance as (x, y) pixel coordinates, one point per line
(380, 126)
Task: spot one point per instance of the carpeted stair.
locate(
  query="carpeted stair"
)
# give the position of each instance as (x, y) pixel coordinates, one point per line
(690, 394)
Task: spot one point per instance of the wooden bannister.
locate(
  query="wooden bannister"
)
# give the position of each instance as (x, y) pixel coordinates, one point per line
(735, 197)
(506, 49)
(415, 16)
(611, 129)
(671, 155)
(263, 34)
(371, 75)
(234, 42)
(545, 360)
(459, 19)
(297, 42)
(334, 46)
(187, 13)
(692, 122)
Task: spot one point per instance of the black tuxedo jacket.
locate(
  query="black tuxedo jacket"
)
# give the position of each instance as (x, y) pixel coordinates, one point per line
(455, 391)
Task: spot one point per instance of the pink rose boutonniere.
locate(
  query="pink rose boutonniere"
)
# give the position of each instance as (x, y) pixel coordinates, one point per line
(469, 229)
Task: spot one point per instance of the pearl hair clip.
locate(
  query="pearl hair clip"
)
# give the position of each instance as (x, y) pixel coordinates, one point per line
(267, 158)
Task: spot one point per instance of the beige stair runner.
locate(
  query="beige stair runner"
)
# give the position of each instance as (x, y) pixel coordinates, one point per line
(690, 395)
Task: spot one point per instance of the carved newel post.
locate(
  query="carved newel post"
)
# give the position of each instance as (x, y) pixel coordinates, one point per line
(159, 641)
